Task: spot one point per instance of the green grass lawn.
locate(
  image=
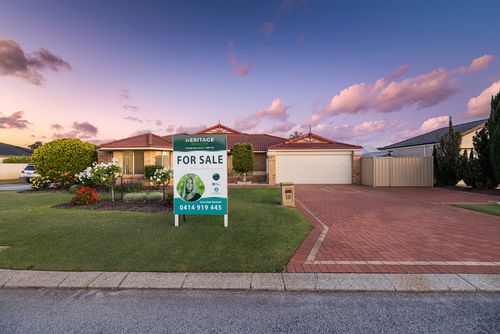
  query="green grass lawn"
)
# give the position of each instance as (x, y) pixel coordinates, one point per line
(13, 181)
(261, 237)
(491, 208)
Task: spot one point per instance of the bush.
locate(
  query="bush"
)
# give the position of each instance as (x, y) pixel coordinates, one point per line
(64, 181)
(447, 158)
(132, 187)
(243, 158)
(17, 160)
(63, 155)
(85, 196)
(40, 183)
(149, 170)
(73, 189)
(142, 197)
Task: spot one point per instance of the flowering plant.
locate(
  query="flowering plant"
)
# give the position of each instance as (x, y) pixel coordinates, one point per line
(40, 183)
(85, 195)
(103, 174)
(161, 177)
(64, 181)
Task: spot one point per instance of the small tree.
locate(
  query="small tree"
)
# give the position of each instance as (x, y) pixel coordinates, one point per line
(484, 176)
(63, 155)
(103, 174)
(35, 145)
(149, 170)
(494, 129)
(243, 159)
(446, 169)
(468, 168)
(295, 134)
(161, 178)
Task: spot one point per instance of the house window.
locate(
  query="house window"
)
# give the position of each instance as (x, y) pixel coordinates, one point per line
(133, 162)
(162, 159)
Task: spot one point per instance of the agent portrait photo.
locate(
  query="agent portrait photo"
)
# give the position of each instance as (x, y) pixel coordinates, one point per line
(190, 187)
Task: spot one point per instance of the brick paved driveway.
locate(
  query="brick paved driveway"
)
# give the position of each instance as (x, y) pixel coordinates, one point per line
(407, 230)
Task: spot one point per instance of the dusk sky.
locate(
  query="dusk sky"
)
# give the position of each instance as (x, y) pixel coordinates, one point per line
(363, 72)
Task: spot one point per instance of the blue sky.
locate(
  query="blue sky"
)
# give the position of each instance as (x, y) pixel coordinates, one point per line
(261, 66)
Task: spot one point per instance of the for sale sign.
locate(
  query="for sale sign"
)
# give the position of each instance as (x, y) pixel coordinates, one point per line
(200, 175)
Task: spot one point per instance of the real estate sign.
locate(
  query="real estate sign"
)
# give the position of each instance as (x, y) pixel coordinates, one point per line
(200, 175)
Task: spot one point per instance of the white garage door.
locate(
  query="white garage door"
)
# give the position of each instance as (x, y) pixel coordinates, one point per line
(314, 168)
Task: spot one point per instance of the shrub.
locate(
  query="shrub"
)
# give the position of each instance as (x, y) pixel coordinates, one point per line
(73, 189)
(40, 183)
(132, 187)
(103, 174)
(64, 181)
(63, 155)
(85, 196)
(17, 160)
(494, 129)
(150, 169)
(243, 159)
(447, 158)
(484, 175)
(141, 197)
(161, 178)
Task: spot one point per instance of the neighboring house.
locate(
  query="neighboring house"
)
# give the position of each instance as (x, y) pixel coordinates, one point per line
(7, 150)
(307, 159)
(422, 146)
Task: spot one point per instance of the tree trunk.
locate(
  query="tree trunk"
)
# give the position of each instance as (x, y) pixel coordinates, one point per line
(164, 197)
(244, 177)
(113, 194)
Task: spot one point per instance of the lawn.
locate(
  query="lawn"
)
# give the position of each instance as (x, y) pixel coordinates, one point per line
(261, 237)
(491, 208)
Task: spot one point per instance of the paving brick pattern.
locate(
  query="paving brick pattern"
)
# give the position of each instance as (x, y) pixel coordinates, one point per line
(395, 230)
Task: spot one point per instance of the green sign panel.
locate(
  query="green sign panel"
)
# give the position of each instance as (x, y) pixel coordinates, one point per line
(200, 175)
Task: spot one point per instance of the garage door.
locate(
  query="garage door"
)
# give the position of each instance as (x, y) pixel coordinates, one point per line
(314, 168)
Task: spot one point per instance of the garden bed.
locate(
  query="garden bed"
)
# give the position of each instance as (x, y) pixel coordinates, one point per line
(140, 206)
(494, 192)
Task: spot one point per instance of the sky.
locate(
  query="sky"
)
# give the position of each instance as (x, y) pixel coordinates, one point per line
(363, 72)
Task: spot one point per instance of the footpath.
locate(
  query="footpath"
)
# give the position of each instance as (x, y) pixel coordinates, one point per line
(251, 281)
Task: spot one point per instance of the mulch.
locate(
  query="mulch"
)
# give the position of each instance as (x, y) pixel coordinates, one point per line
(140, 206)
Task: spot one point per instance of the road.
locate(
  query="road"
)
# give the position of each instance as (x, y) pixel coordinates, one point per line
(154, 311)
(23, 186)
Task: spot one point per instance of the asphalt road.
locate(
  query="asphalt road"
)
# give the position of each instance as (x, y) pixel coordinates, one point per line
(97, 311)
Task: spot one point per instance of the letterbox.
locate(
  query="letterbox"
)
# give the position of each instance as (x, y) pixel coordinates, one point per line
(287, 194)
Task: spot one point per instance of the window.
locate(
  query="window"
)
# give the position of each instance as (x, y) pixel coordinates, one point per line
(133, 162)
(162, 159)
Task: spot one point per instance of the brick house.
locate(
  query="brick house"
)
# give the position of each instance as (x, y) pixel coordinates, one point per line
(307, 159)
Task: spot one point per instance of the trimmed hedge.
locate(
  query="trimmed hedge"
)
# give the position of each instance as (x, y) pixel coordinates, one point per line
(17, 160)
(149, 170)
(63, 155)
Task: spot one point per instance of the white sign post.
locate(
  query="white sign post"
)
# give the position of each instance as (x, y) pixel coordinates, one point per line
(200, 176)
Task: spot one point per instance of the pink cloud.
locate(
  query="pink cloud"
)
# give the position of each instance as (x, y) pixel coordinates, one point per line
(14, 121)
(277, 111)
(479, 106)
(477, 64)
(427, 126)
(240, 68)
(130, 107)
(268, 28)
(124, 94)
(349, 131)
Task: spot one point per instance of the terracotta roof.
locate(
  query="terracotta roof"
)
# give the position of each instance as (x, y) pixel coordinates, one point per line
(312, 141)
(140, 141)
(218, 128)
(260, 142)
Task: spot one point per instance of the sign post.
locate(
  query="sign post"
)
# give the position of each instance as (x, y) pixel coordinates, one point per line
(200, 176)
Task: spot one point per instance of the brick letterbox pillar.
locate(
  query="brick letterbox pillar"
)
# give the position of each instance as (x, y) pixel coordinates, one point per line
(287, 194)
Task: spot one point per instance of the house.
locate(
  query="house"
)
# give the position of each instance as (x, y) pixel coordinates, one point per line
(307, 159)
(7, 150)
(423, 145)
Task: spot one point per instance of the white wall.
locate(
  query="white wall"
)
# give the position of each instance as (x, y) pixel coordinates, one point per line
(11, 171)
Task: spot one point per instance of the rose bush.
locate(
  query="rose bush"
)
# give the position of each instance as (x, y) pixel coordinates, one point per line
(85, 196)
(103, 174)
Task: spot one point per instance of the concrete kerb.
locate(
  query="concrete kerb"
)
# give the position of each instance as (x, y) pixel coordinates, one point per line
(321, 282)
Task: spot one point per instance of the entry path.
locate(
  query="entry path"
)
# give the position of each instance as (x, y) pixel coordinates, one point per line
(395, 230)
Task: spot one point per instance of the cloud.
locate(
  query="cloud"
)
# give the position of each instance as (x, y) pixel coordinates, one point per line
(14, 121)
(190, 129)
(350, 131)
(240, 68)
(124, 94)
(133, 119)
(15, 62)
(57, 127)
(83, 130)
(277, 111)
(479, 106)
(158, 122)
(130, 107)
(427, 126)
(388, 95)
(282, 128)
(477, 64)
(268, 28)
(140, 132)
(288, 5)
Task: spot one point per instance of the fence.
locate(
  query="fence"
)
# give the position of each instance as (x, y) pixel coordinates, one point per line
(397, 171)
